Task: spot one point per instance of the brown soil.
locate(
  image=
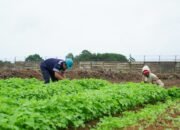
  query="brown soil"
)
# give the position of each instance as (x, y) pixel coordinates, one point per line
(168, 79)
(4, 74)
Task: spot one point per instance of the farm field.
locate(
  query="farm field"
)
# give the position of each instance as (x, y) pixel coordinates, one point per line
(85, 104)
(170, 79)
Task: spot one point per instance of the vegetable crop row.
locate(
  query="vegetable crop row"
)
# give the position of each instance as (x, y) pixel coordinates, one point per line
(146, 116)
(29, 104)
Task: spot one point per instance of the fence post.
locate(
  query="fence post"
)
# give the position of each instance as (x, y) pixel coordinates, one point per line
(103, 65)
(130, 66)
(160, 64)
(144, 59)
(175, 64)
(91, 65)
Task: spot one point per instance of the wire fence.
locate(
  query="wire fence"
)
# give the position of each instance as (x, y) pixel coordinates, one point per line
(157, 58)
(23, 58)
(160, 64)
(139, 58)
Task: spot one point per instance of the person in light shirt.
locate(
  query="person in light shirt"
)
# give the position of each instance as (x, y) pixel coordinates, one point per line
(149, 77)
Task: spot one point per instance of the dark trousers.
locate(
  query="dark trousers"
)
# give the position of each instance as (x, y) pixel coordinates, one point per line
(47, 74)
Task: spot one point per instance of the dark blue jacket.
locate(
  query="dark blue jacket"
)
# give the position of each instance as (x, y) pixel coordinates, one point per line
(53, 64)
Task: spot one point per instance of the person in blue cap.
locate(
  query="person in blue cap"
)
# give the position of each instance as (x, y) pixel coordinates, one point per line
(54, 69)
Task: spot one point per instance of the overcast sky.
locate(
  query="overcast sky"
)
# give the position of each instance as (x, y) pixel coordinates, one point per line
(54, 28)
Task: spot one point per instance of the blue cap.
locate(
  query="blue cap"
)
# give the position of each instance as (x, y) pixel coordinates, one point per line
(69, 63)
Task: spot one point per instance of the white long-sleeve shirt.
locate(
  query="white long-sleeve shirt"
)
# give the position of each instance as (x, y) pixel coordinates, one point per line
(152, 78)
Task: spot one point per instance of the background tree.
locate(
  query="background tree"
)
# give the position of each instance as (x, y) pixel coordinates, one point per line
(70, 55)
(34, 57)
(5, 62)
(111, 57)
(84, 56)
(88, 56)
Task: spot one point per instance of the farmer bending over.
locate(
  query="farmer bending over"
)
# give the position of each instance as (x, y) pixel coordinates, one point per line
(54, 69)
(149, 77)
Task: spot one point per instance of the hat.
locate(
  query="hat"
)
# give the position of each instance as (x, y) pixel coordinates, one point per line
(69, 63)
